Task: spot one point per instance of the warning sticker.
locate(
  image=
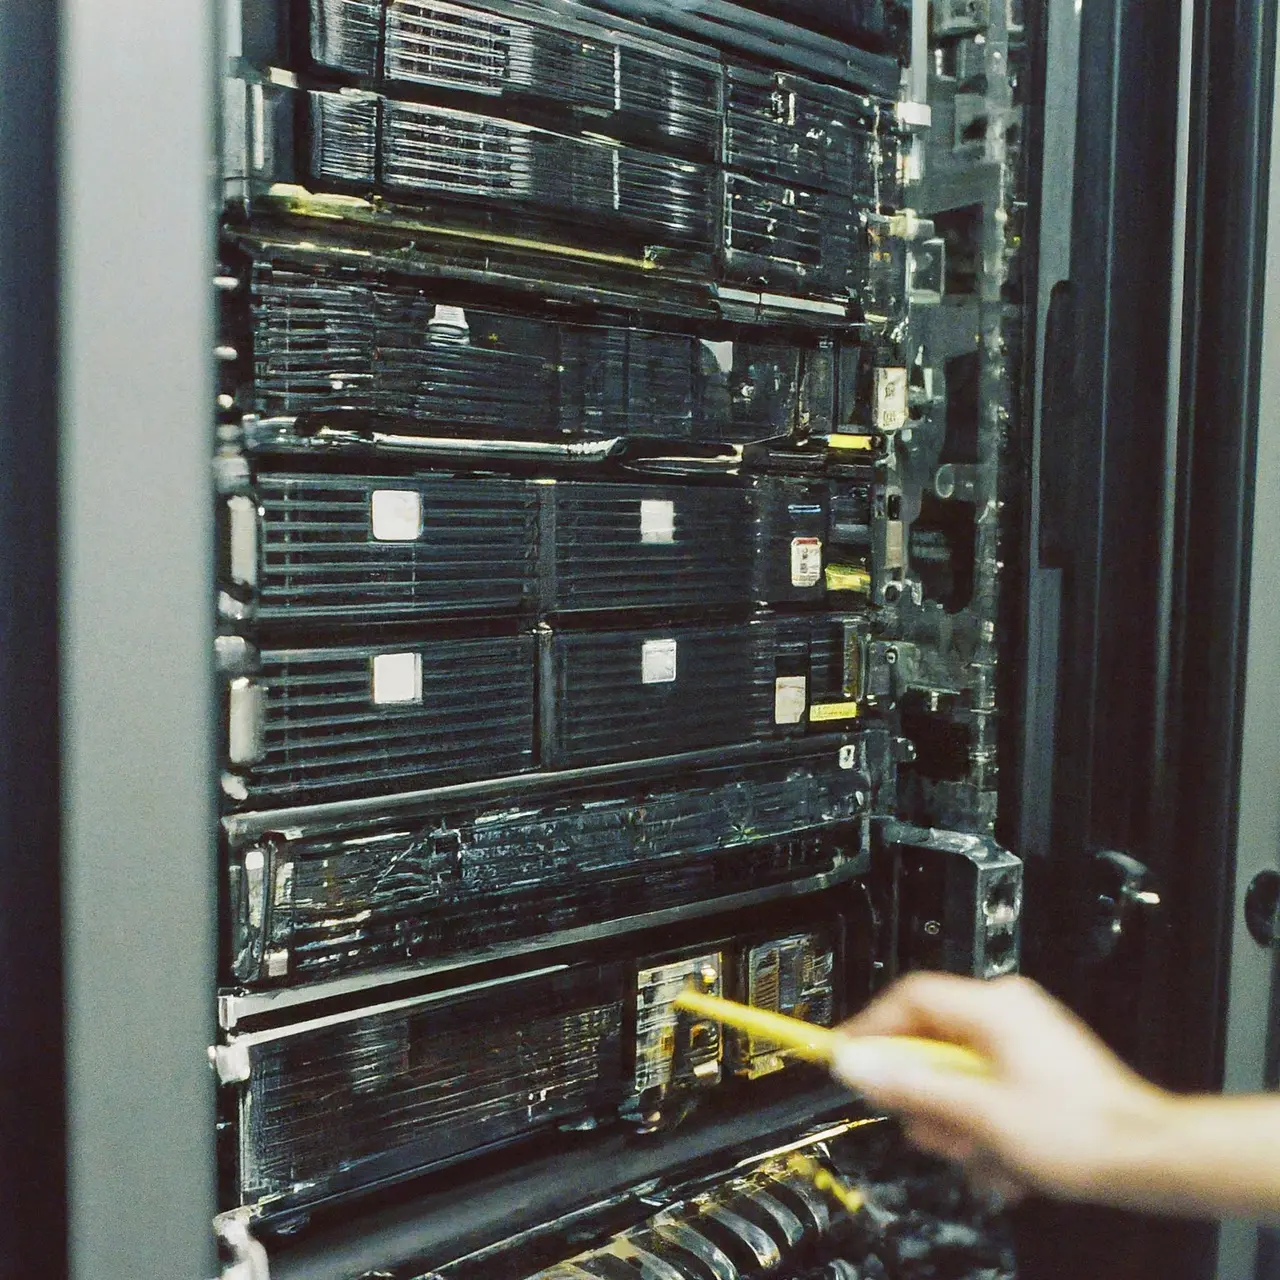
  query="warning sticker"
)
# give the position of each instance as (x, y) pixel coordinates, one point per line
(790, 699)
(806, 562)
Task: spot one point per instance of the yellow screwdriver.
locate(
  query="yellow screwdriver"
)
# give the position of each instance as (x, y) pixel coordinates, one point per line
(819, 1044)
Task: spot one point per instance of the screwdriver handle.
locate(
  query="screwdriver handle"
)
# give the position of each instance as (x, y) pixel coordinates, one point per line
(803, 1039)
(819, 1044)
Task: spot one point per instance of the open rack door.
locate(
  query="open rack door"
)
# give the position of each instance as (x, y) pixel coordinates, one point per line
(1151, 448)
(1249, 1039)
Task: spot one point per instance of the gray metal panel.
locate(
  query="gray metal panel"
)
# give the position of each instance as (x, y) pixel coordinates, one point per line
(1057, 177)
(1177, 371)
(137, 158)
(1044, 585)
(1250, 1008)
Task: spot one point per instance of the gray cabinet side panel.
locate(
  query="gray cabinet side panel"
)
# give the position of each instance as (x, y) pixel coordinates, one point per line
(136, 163)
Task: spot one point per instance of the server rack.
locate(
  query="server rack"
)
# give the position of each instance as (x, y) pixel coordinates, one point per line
(127, 1240)
(470, 645)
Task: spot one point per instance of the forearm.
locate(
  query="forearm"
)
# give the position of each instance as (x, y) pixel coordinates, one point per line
(1206, 1156)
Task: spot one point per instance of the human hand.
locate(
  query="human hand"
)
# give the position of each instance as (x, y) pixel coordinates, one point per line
(1058, 1112)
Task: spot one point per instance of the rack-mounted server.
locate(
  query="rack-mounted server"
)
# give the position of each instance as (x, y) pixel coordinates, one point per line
(527, 57)
(315, 340)
(340, 1103)
(345, 547)
(339, 720)
(353, 891)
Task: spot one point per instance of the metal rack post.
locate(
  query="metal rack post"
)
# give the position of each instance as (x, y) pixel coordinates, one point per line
(137, 225)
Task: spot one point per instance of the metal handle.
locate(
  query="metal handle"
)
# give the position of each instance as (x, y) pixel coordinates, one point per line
(1124, 892)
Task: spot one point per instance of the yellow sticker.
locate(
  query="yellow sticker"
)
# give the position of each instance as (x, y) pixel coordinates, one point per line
(860, 443)
(847, 577)
(823, 712)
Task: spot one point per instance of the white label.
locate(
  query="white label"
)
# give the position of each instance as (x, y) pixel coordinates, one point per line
(790, 699)
(658, 662)
(453, 317)
(723, 353)
(397, 679)
(657, 521)
(396, 515)
(277, 964)
(246, 708)
(895, 545)
(449, 325)
(258, 106)
(890, 411)
(806, 562)
(848, 756)
(244, 540)
(914, 115)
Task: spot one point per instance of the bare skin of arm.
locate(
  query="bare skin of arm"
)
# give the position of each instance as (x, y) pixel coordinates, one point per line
(1059, 1113)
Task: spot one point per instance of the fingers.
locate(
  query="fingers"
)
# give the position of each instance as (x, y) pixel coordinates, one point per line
(941, 1006)
(967, 1104)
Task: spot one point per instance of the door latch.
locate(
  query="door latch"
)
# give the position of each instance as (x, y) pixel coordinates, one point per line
(1262, 908)
(1124, 895)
